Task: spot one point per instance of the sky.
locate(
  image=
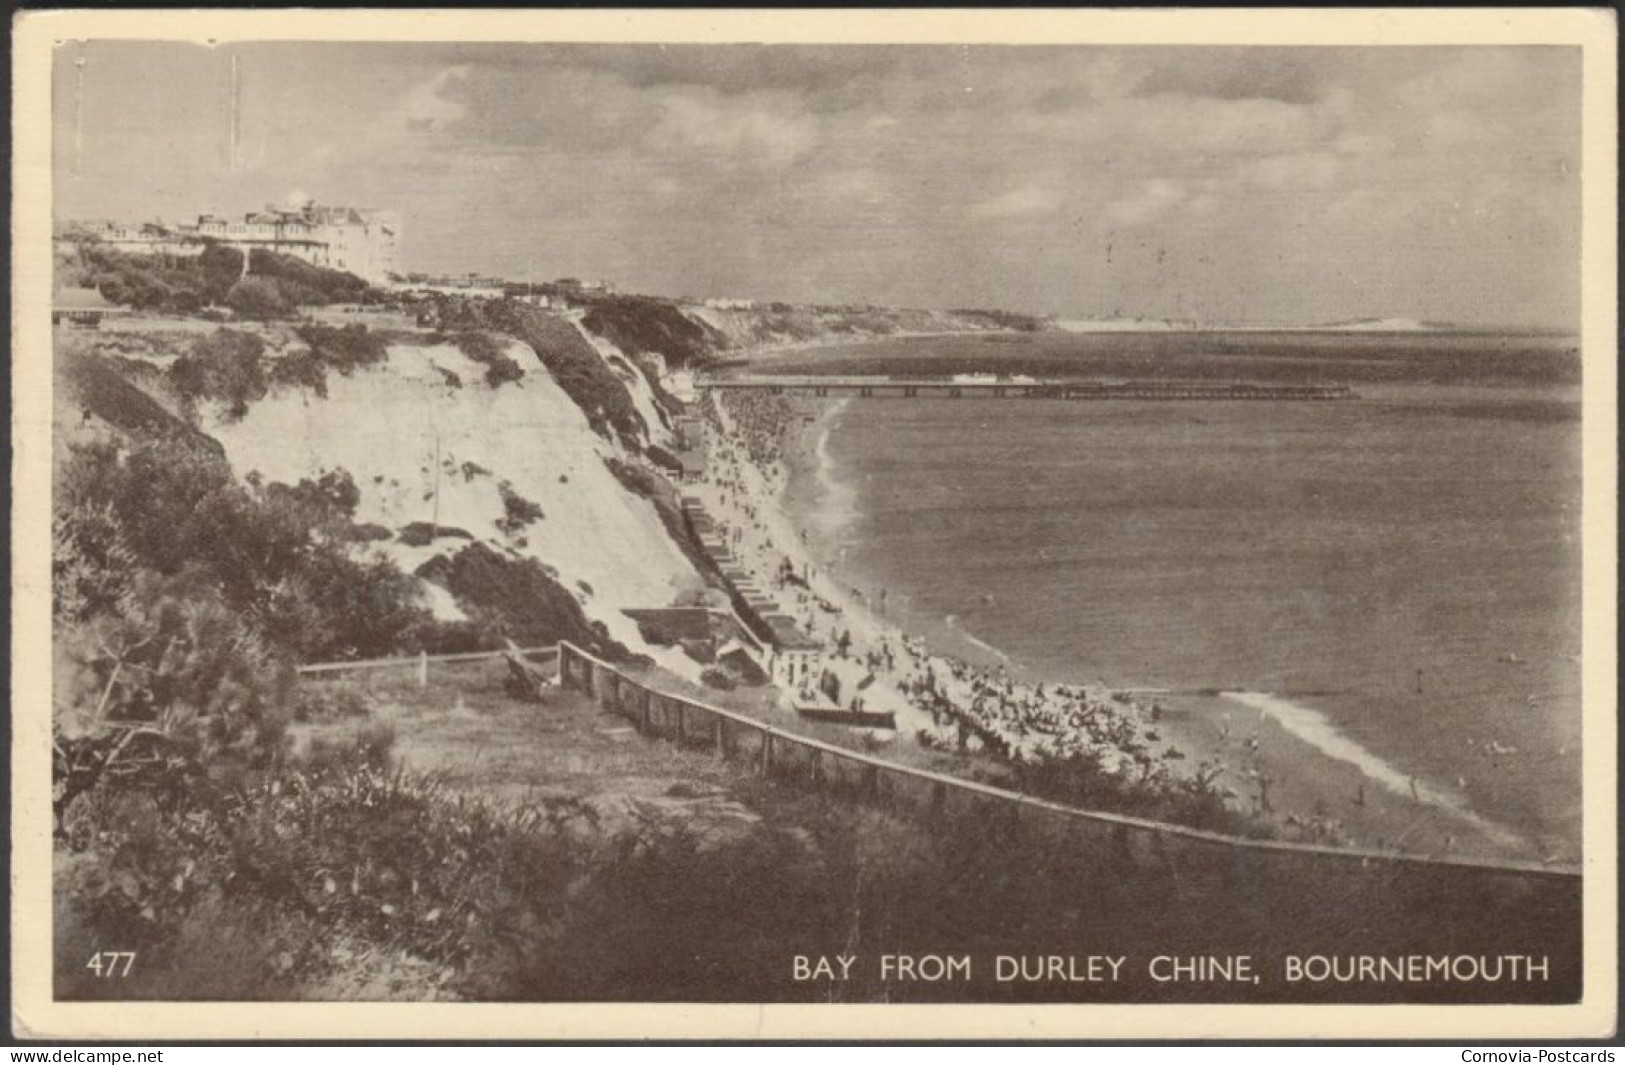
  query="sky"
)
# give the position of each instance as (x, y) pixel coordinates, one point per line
(1217, 184)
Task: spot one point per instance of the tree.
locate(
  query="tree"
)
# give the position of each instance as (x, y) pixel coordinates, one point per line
(258, 298)
(221, 266)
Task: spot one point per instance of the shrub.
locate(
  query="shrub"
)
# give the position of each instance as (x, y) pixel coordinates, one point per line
(305, 284)
(347, 850)
(160, 283)
(481, 348)
(422, 533)
(301, 369)
(344, 348)
(516, 598)
(276, 553)
(502, 371)
(175, 659)
(721, 679)
(91, 565)
(518, 511)
(226, 365)
(258, 298)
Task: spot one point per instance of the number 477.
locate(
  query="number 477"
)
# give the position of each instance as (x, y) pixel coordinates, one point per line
(111, 963)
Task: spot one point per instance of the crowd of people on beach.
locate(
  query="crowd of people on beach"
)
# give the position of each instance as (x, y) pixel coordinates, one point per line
(960, 706)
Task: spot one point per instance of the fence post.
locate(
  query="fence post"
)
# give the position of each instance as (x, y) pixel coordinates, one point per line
(719, 740)
(423, 669)
(649, 713)
(680, 736)
(939, 799)
(815, 769)
(767, 753)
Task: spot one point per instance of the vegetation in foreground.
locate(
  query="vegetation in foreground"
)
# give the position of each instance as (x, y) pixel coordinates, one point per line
(336, 874)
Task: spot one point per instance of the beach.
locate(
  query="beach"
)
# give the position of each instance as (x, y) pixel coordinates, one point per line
(1280, 770)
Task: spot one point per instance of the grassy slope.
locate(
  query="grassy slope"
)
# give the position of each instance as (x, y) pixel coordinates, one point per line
(778, 871)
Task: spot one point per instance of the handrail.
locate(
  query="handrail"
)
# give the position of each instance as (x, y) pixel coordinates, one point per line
(1122, 820)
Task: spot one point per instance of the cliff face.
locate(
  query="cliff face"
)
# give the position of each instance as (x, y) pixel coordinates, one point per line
(518, 468)
(455, 475)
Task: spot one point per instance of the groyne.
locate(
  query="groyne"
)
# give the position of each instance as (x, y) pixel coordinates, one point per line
(1019, 388)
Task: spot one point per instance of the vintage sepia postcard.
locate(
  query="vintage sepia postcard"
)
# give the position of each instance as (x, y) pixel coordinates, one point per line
(752, 525)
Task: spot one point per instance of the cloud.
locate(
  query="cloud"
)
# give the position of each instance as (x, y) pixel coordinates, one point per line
(428, 107)
(825, 172)
(747, 131)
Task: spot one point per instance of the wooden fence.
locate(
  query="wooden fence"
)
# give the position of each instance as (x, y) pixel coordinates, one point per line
(421, 662)
(1205, 857)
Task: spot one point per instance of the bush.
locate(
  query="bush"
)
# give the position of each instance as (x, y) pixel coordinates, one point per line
(301, 369)
(481, 348)
(92, 568)
(351, 852)
(422, 533)
(343, 348)
(226, 365)
(258, 298)
(518, 511)
(305, 284)
(275, 553)
(720, 679)
(161, 283)
(175, 659)
(516, 598)
(368, 532)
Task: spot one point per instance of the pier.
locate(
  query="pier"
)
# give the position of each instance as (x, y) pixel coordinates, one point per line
(1020, 388)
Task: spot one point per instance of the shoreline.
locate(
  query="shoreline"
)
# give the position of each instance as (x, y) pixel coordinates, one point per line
(1273, 774)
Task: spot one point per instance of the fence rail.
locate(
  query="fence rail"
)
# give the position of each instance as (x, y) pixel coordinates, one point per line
(420, 661)
(935, 796)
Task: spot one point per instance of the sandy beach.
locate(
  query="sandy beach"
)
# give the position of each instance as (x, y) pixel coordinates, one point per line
(770, 485)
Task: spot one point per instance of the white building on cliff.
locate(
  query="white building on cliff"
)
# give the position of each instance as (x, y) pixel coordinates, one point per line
(356, 240)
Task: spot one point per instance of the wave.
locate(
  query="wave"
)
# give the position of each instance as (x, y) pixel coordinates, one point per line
(837, 502)
(1316, 729)
(951, 622)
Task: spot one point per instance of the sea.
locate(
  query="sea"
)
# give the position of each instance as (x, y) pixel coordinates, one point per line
(1395, 578)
